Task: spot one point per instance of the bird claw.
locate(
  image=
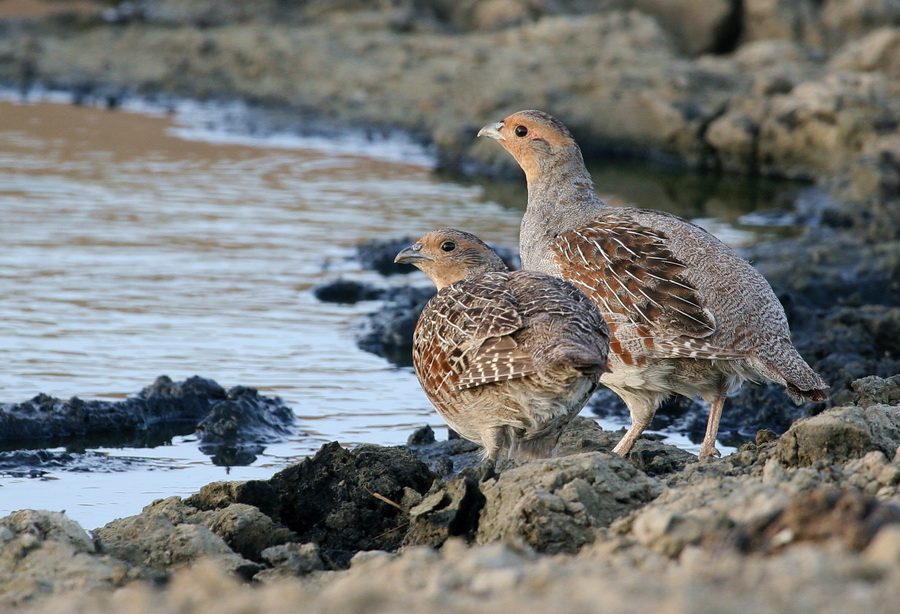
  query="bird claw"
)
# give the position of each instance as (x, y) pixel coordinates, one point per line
(708, 454)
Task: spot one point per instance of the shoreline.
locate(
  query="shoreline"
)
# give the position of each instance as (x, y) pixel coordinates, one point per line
(772, 106)
(585, 527)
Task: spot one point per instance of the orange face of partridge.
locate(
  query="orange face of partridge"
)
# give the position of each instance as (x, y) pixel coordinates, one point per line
(525, 133)
(449, 255)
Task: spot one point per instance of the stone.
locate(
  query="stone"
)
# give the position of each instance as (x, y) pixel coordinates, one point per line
(875, 52)
(44, 553)
(847, 20)
(216, 495)
(152, 541)
(874, 390)
(821, 515)
(449, 510)
(293, 558)
(840, 434)
(774, 19)
(245, 529)
(556, 505)
(884, 548)
(697, 26)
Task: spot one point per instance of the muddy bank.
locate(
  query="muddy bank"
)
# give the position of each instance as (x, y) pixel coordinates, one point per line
(808, 522)
(808, 90)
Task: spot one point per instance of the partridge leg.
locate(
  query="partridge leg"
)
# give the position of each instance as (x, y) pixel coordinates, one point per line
(494, 440)
(708, 448)
(640, 420)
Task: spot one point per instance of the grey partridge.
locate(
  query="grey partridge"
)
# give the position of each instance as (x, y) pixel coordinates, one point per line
(686, 314)
(507, 358)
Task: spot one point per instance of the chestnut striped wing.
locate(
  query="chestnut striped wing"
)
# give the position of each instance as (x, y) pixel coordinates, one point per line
(637, 282)
(463, 338)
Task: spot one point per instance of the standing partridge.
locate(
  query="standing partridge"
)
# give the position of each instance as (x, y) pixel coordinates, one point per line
(686, 314)
(507, 358)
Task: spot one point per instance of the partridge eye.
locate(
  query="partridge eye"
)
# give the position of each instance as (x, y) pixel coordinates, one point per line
(521, 131)
(448, 246)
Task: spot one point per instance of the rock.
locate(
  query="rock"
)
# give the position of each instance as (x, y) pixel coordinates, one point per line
(874, 390)
(840, 434)
(708, 26)
(160, 405)
(651, 456)
(884, 549)
(347, 292)
(421, 437)
(347, 501)
(824, 25)
(218, 495)
(378, 255)
(875, 52)
(772, 19)
(658, 458)
(152, 540)
(846, 20)
(448, 510)
(556, 505)
(667, 532)
(821, 515)
(291, 559)
(449, 457)
(38, 463)
(232, 425)
(874, 178)
(389, 331)
(718, 532)
(245, 529)
(839, 113)
(236, 426)
(439, 70)
(44, 553)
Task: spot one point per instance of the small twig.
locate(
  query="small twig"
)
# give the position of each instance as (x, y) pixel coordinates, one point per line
(381, 497)
(392, 530)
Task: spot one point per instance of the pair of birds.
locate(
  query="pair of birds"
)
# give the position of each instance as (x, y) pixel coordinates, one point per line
(644, 302)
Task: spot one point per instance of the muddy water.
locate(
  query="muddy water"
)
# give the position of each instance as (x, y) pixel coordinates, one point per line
(140, 244)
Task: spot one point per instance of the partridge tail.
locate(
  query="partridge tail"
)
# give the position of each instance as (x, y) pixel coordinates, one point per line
(798, 396)
(586, 361)
(800, 381)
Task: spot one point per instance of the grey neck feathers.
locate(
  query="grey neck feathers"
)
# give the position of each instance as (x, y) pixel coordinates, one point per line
(562, 195)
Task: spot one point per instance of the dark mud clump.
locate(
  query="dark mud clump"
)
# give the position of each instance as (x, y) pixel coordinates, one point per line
(347, 501)
(236, 428)
(163, 402)
(388, 332)
(232, 425)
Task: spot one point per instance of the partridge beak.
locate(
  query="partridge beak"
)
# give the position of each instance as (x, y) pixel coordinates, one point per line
(410, 256)
(493, 131)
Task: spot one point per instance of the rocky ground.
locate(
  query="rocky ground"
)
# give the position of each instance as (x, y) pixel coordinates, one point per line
(808, 521)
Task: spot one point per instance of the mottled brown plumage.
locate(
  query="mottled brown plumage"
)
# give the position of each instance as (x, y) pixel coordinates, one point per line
(507, 358)
(686, 314)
